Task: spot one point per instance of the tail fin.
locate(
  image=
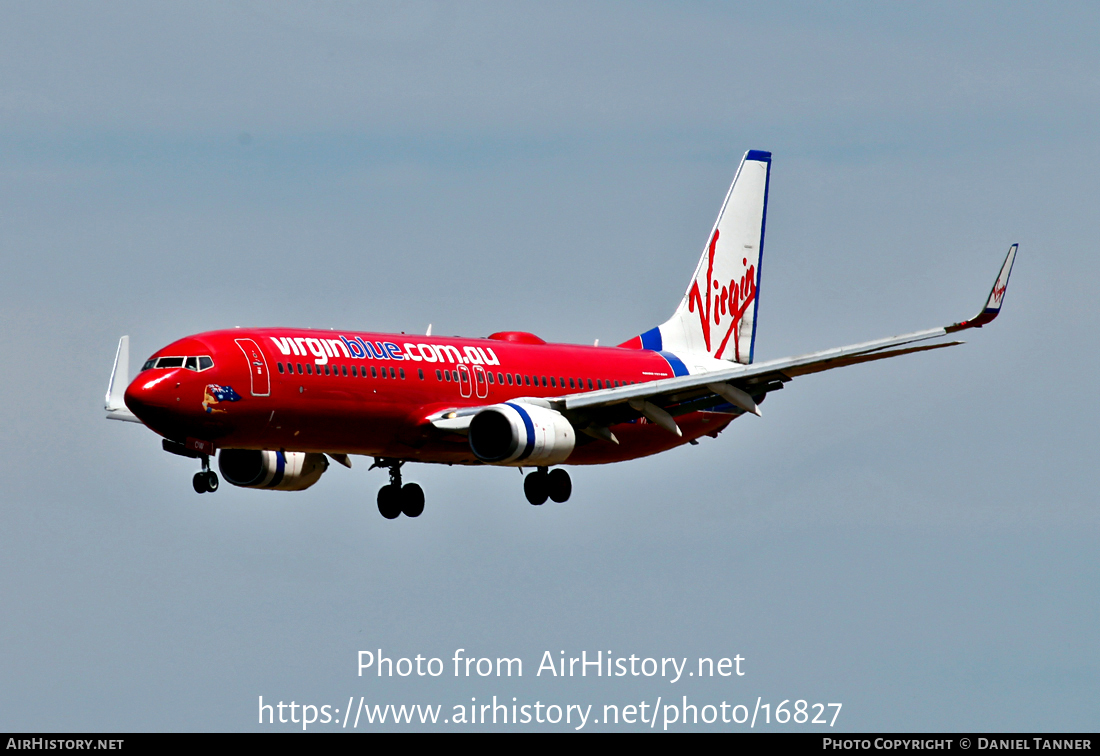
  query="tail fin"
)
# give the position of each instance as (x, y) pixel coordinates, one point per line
(718, 312)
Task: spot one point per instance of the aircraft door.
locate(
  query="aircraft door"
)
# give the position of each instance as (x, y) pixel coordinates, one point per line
(464, 381)
(481, 386)
(257, 367)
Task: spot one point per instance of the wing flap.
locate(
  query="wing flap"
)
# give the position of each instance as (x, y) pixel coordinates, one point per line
(737, 374)
(824, 365)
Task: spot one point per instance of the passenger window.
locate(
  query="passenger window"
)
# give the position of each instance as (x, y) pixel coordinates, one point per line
(439, 375)
(344, 370)
(420, 372)
(354, 371)
(309, 369)
(326, 370)
(373, 372)
(447, 376)
(544, 381)
(599, 383)
(589, 384)
(299, 368)
(402, 373)
(394, 374)
(552, 384)
(490, 377)
(500, 378)
(509, 379)
(481, 378)
(280, 366)
(571, 383)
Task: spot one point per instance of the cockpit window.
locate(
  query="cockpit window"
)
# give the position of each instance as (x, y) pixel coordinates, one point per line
(198, 364)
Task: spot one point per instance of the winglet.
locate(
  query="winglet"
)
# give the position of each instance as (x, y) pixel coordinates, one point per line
(114, 402)
(117, 386)
(996, 297)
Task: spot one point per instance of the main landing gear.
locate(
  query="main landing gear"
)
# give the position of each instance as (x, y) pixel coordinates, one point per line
(205, 481)
(540, 485)
(396, 499)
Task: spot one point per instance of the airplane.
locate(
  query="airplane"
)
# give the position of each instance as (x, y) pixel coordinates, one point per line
(276, 404)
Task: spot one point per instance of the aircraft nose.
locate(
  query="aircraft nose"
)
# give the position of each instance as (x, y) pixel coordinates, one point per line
(149, 393)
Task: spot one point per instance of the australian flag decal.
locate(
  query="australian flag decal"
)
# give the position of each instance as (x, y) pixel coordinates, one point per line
(215, 394)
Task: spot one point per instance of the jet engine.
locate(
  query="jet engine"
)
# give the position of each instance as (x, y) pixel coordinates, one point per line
(276, 470)
(521, 434)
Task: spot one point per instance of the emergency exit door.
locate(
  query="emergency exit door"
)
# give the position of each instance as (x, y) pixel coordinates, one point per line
(257, 367)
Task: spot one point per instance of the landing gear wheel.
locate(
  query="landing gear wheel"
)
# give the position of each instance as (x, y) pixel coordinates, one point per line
(558, 485)
(412, 500)
(389, 502)
(211, 482)
(199, 482)
(535, 488)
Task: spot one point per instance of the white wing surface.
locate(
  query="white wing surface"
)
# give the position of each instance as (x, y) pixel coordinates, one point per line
(116, 389)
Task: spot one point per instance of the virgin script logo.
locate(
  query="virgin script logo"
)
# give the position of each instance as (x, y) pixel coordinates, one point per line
(719, 304)
(999, 292)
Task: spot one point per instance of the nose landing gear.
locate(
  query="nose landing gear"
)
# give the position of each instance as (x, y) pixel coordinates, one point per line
(542, 485)
(205, 481)
(395, 499)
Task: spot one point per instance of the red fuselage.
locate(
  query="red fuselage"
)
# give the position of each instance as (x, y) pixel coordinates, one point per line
(371, 394)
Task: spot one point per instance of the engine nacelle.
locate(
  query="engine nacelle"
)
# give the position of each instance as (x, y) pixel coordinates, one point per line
(276, 470)
(521, 434)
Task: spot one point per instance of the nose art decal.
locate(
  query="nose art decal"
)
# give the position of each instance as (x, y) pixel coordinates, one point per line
(215, 394)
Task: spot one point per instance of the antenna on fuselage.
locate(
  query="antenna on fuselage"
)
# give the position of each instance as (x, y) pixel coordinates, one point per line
(429, 333)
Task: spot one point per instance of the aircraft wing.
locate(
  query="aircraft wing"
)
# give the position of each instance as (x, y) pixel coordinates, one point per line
(742, 386)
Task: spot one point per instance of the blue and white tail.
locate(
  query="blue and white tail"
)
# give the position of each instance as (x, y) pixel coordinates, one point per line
(717, 315)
